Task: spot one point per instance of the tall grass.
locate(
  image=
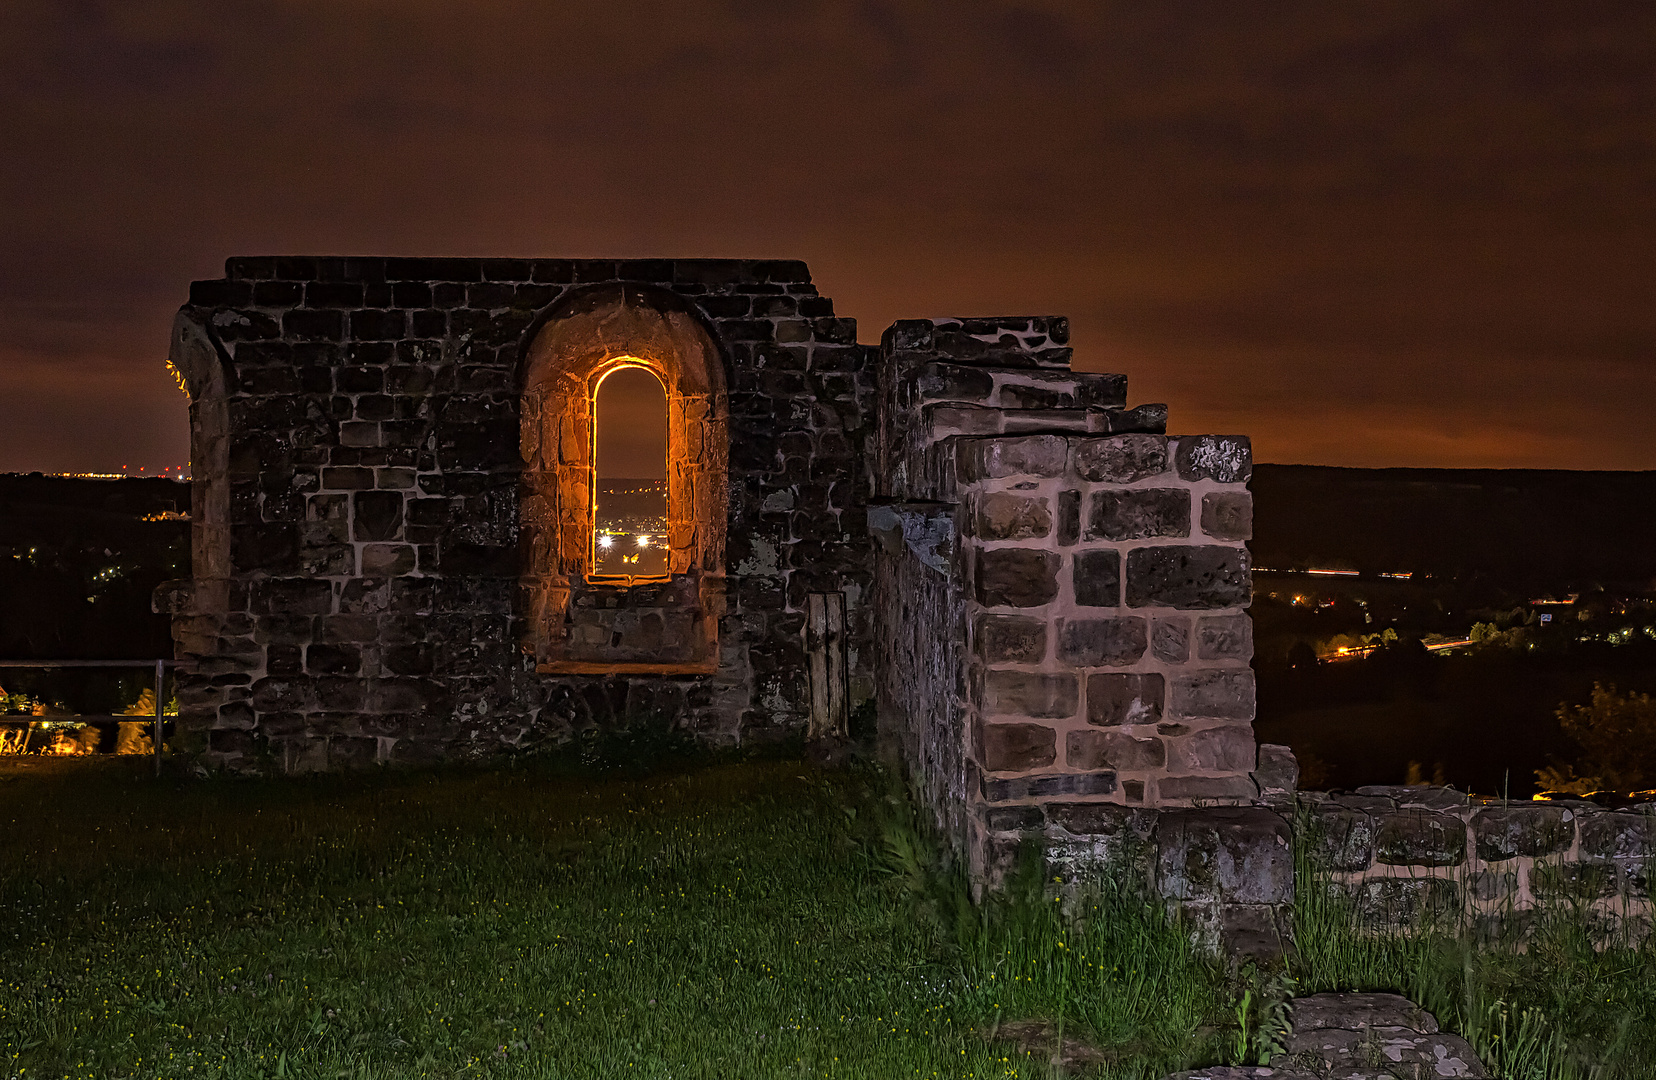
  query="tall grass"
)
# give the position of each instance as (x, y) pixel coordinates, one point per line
(1546, 997)
(1105, 967)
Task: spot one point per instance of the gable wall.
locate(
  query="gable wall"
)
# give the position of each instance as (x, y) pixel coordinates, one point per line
(371, 609)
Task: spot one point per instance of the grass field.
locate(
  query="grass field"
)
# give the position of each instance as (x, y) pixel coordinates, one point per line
(743, 920)
(727, 922)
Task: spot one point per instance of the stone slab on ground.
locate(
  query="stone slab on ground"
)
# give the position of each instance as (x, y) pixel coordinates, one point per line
(1374, 1037)
(1244, 1072)
(1359, 1037)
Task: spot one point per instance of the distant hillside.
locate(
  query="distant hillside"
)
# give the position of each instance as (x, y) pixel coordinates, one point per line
(1526, 528)
(78, 562)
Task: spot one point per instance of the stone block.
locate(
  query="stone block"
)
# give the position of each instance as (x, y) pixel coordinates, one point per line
(1125, 698)
(310, 325)
(1399, 902)
(1023, 396)
(281, 694)
(1421, 838)
(356, 627)
(231, 742)
(1207, 788)
(1369, 804)
(1619, 836)
(1190, 578)
(1276, 771)
(1102, 642)
(1016, 577)
(1011, 639)
(952, 382)
(1489, 885)
(293, 596)
(1225, 458)
(271, 548)
(1048, 786)
(377, 515)
(1006, 515)
(997, 458)
(1069, 517)
(1224, 637)
(1101, 819)
(1227, 748)
(1213, 694)
(1170, 640)
(1120, 459)
(907, 335)
(1097, 578)
(237, 715)
(1018, 747)
(1343, 839)
(1572, 882)
(333, 659)
(347, 478)
(1357, 1012)
(1226, 854)
(1013, 818)
(387, 560)
(1113, 750)
(359, 433)
(1137, 514)
(1024, 693)
(1525, 829)
(1228, 515)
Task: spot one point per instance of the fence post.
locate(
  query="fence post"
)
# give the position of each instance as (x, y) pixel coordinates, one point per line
(160, 680)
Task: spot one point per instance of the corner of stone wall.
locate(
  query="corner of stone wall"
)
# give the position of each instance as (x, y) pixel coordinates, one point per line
(1066, 588)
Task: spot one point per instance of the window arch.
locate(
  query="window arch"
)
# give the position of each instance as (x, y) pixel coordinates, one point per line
(578, 621)
(629, 493)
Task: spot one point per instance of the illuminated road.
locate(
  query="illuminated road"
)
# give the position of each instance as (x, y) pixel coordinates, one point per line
(1364, 650)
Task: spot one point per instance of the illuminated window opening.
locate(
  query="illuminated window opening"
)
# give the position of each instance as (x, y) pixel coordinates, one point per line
(630, 525)
(577, 621)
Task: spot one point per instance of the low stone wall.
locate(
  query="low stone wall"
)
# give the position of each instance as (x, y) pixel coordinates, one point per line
(1413, 855)
(1408, 858)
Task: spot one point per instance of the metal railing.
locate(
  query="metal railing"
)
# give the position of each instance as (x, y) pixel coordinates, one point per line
(161, 667)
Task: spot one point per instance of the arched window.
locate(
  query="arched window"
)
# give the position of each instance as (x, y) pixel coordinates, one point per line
(584, 614)
(629, 491)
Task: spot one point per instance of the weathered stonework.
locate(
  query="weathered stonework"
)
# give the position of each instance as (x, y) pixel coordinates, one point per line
(393, 536)
(1086, 637)
(391, 460)
(1414, 855)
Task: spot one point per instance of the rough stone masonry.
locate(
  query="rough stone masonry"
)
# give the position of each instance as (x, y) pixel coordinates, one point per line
(1043, 592)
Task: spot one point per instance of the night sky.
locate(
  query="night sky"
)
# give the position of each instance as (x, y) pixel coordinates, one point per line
(1384, 233)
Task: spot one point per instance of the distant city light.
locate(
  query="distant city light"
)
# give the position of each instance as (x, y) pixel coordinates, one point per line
(643, 541)
(606, 540)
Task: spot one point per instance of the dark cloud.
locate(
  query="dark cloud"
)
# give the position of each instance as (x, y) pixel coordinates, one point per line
(1399, 232)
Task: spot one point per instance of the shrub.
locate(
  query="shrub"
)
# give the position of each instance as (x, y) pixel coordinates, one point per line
(1617, 734)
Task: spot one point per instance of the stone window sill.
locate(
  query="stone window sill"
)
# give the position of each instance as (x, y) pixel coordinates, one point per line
(594, 667)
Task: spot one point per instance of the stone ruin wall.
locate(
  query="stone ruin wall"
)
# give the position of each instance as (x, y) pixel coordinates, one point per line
(1046, 592)
(1414, 856)
(359, 472)
(1063, 587)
